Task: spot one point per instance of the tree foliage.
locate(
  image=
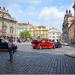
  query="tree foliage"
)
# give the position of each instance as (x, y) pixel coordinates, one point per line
(25, 34)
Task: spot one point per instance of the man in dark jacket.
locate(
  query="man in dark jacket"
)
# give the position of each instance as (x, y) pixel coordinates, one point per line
(10, 49)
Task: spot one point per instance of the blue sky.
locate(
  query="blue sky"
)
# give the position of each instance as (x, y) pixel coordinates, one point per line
(49, 13)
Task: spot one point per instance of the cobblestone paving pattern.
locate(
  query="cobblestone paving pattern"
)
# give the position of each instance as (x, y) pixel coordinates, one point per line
(36, 63)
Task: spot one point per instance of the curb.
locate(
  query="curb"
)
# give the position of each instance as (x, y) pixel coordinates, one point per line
(72, 56)
(23, 43)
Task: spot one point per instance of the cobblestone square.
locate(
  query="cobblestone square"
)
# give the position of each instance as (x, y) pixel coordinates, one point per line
(37, 62)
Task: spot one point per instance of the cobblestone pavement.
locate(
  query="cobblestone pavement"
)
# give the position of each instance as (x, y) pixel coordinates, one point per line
(37, 62)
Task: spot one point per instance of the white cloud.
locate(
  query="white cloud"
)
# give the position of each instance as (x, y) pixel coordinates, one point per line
(28, 1)
(30, 11)
(20, 13)
(52, 16)
(50, 13)
(37, 1)
(16, 11)
(33, 1)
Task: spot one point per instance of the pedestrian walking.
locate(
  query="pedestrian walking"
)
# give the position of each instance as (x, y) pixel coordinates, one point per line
(10, 49)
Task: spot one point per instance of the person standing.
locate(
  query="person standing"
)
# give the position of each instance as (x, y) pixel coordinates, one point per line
(10, 49)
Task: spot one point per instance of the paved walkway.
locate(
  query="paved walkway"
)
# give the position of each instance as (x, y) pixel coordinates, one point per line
(70, 51)
(36, 63)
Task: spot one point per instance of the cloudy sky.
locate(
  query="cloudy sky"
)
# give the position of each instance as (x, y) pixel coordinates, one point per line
(49, 13)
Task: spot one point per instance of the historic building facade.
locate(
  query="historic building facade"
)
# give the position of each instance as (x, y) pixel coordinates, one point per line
(71, 30)
(69, 27)
(65, 26)
(32, 31)
(7, 24)
(54, 34)
(39, 32)
(22, 27)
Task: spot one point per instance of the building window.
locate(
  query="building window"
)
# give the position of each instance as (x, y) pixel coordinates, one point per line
(53, 33)
(53, 36)
(4, 28)
(11, 29)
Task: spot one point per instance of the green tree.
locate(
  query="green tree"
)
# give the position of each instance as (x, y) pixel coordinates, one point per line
(25, 34)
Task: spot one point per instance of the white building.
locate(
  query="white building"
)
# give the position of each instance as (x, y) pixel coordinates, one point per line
(7, 24)
(22, 27)
(54, 34)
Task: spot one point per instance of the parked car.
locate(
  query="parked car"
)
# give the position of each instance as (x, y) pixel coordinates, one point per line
(36, 44)
(4, 45)
(58, 44)
(65, 44)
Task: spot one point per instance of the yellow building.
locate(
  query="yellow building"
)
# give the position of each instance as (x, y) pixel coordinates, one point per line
(39, 32)
(7, 24)
(32, 30)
